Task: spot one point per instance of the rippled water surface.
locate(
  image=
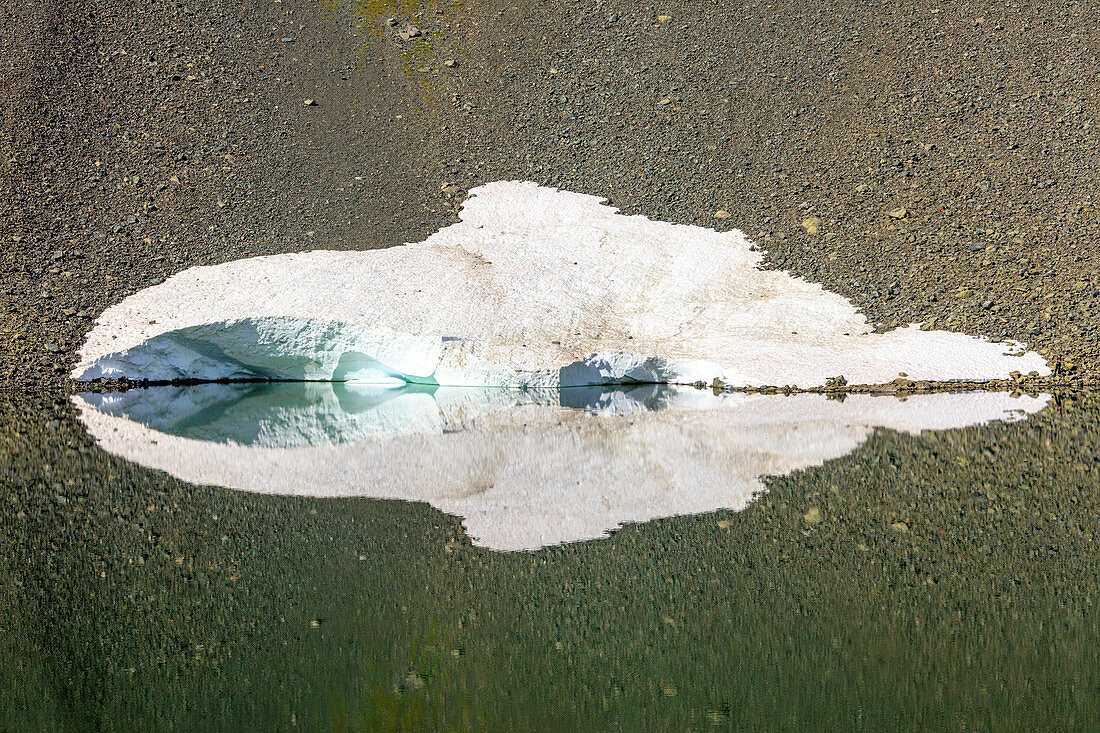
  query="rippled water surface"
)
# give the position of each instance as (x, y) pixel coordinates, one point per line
(325, 557)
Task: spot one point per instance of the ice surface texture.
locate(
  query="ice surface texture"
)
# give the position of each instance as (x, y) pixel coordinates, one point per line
(534, 287)
(521, 469)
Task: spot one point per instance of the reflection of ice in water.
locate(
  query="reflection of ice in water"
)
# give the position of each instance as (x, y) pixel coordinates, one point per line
(291, 414)
(524, 469)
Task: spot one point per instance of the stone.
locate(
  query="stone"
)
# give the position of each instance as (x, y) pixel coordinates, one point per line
(899, 213)
(812, 225)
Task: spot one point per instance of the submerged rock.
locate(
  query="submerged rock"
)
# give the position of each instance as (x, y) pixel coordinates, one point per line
(534, 287)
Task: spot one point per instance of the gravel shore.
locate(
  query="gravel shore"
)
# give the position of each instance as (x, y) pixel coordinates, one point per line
(933, 162)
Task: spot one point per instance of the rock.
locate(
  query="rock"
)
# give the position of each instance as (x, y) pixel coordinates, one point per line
(309, 103)
(52, 348)
(722, 214)
(288, 39)
(899, 213)
(900, 527)
(57, 255)
(408, 33)
(450, 63)
(811, 225)
(813, 516)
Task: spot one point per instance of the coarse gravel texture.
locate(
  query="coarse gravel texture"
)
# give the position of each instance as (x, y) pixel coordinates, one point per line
(947, 581)
(941, 154)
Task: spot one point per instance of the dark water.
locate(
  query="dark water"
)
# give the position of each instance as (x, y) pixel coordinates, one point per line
(947, 580)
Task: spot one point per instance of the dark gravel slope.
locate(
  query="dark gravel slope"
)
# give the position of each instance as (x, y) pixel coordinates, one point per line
(927, 160)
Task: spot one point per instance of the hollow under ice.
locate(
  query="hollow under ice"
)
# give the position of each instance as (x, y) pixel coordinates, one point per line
(521, 469)
(533, 287)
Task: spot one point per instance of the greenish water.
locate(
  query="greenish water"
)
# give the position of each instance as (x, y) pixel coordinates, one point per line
(946, 581)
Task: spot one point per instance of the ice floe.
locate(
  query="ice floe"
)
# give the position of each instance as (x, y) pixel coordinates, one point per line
(523, 468)
(533, 287)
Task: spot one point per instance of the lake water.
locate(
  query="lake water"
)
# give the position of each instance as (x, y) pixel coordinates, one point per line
(327, 557)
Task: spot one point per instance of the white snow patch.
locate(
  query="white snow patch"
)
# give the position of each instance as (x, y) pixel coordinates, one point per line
(534, 287)
(522, 470)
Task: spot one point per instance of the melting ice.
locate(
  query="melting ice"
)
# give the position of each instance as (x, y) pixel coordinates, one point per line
(533, 287)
